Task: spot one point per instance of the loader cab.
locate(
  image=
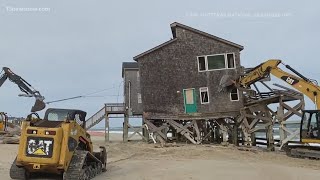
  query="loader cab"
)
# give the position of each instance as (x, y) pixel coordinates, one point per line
(57, 116)
(310, 126)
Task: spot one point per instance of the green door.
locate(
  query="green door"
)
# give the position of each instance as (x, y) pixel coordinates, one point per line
(190, 104)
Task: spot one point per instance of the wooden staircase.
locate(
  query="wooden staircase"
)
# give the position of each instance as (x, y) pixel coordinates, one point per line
(110, 108)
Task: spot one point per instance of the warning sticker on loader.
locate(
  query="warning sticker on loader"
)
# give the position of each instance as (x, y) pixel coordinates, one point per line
(38, 146)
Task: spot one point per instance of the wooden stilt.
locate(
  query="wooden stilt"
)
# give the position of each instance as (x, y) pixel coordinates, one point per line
(253, 139)
(270, 140)
(145, 130)
(125, 127)
(106, 129)
(235, 138)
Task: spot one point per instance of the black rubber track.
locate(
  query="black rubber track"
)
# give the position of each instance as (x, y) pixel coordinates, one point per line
(80, 169)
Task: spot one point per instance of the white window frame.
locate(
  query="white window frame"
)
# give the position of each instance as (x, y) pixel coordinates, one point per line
(204, 89)
(205, 61)
(225, 62)
(237, 95)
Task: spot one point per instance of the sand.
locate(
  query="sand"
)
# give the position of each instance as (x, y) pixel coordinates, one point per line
(141, 161)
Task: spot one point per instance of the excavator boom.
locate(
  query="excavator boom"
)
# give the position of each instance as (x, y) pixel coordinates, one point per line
(25, 87)
(310, 120)
(259, 72)
(298, 81)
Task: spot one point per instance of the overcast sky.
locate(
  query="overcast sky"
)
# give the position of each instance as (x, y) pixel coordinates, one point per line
(75, 47)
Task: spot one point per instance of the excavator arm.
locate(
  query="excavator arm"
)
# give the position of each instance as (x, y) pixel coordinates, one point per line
(310, 119)
(25, 87)
(298, 81)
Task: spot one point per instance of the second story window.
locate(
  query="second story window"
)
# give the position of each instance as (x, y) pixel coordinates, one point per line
(216, 62)
(202, 65)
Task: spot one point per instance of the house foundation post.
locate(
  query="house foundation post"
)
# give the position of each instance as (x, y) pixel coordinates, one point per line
(235, 139)
(106, 128)
(126, 126)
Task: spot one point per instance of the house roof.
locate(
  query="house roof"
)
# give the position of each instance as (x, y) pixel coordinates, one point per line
(173, 29)
(155, 48)
(129, 65)
(176, 24)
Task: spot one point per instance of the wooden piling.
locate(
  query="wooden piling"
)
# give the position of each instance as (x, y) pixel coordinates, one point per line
(126, 126)
(107, 127)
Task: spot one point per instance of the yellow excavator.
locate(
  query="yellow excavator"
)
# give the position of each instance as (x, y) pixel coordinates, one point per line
(57, 144)
(3, 121)
(24, 86)
(310, 121)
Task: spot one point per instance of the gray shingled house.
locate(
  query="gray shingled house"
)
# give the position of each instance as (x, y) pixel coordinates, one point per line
(183, 74)
(180, 87)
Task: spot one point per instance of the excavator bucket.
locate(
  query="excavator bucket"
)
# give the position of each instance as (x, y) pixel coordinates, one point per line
(225, 82)
(38, 106)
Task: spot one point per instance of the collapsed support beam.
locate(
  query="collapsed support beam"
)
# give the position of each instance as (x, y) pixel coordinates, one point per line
(193, 131)
(286, 134)
(257, 116)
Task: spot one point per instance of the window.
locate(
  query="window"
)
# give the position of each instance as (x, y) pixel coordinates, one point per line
(57, 116)
(216, 62)
(234, 95)
(204, 95)
(230, 60)
(202, 63)
(313, 129)
(310, 125)
(139, 98)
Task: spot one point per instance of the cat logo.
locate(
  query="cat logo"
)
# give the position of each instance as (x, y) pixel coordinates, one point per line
(290, 80)
(39, 146)
(39, 152)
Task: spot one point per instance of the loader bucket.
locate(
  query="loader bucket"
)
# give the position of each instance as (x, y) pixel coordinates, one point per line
(38, 106)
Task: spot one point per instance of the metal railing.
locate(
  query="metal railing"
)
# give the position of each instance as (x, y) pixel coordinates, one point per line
(96, 118)
(100, 115)
(115, 107)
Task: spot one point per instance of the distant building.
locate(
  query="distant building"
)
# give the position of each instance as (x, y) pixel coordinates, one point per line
(15, 120)
(182, 75)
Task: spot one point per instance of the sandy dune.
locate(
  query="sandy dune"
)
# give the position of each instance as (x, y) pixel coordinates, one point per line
(141, 161)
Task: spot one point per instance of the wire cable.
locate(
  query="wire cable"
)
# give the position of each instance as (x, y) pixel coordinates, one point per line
(81, 96)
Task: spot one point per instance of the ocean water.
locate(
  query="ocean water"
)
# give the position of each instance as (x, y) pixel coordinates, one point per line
(119, 130)
(276, 132)
(114, 130)
(276, 135)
